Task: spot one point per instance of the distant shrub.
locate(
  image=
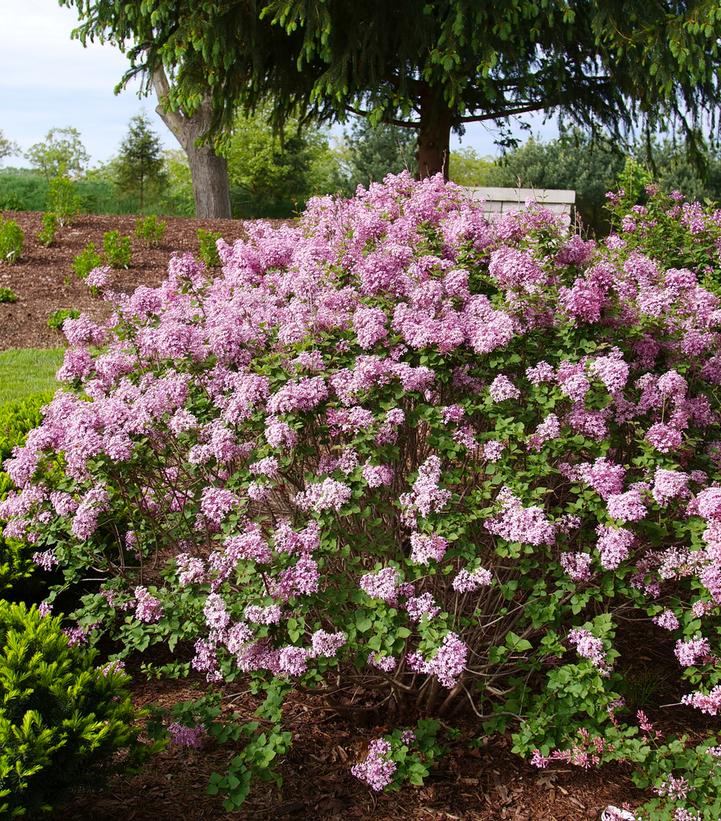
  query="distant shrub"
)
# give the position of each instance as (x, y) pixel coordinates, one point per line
(207, 250)
(8, 295)
(12, 241)
(16, 419)
(61, 719)
(63, 200)
(86, 260)
(46, 236)
(58, 317)
(150, 230)
(117, 249)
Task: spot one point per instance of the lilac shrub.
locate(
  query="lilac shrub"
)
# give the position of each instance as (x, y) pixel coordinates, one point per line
(436, 461)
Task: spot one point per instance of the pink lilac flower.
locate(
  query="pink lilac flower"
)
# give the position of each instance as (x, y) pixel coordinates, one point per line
(326, 495)
(542, 372)
(263, 615)
(690, 652)
(673, 787)
(590, 647)
(449, 660)
(426, 548)
(148, 608)
(216, 504)
(378, 475)
(467, 581)
(385, 663)
(577, 566)
(708, 503)
(378, 769)
(47, 560)
(190, 569)
(502, 388)
(216, 615)
(549, 429)
(183, 736)
(605, 477)
(293, 660)
(326, 645)
(381, 585)
(493, 450)
(527, 525)
(420, 606)
(709, 703)
(667, 619)
(613, 545)
(425, 496)
(626, 507)
(664, 437)
(668, 485)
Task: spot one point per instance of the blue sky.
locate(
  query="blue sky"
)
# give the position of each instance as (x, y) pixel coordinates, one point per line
(48, 80)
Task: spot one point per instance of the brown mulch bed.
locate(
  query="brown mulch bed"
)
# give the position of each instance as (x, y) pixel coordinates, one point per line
(486, 784)
(44, 280)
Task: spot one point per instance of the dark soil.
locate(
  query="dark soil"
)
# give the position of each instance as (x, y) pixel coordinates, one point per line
(44, 280)
(487, 784)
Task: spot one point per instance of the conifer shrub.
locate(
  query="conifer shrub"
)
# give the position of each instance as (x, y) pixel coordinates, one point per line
(61, 718)
(446, 465)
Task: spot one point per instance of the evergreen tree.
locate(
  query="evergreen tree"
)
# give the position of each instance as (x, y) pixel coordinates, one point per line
(370, 152)
(139, 168)
(431, 66)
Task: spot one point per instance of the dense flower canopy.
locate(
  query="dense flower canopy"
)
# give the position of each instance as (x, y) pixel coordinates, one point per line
(394, 439)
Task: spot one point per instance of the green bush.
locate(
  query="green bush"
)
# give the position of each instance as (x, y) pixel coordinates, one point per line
(16, 419)
(12, 240)
(46, 236)
(63, 200)
(86, 260)
(8, 295)
(61, 719)
(58, 317)
(150, 230)
(206, 247)
(117, 249)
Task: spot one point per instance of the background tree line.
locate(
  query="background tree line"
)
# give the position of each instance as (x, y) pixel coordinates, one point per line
(273, 176)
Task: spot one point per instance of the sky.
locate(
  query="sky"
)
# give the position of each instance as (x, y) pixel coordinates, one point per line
(48, 80)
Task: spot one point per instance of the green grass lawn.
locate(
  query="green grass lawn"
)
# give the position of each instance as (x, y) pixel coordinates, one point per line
(28, 371)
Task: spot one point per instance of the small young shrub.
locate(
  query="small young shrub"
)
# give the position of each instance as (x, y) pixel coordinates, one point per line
(12, 240)
(207, 247)
(86, 261)
(8, 295)
(63, 200)
(58, 317)
(17, 419)
(117, 249)
(150, 230)
(438, 464)
(46, 235)
(61, 719)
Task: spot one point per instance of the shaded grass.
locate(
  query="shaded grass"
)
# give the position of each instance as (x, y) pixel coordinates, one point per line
(27, 371)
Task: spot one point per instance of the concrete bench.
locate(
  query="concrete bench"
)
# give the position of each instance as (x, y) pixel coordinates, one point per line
(499, 201)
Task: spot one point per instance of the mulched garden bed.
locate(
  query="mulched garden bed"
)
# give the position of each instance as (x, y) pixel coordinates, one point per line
(45, 282)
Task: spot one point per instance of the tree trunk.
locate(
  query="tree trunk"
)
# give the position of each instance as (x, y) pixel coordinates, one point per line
(211, 188)
(434, 135)
(208, 170)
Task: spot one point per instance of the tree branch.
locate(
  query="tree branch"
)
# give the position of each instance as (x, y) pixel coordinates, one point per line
(175, 121)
